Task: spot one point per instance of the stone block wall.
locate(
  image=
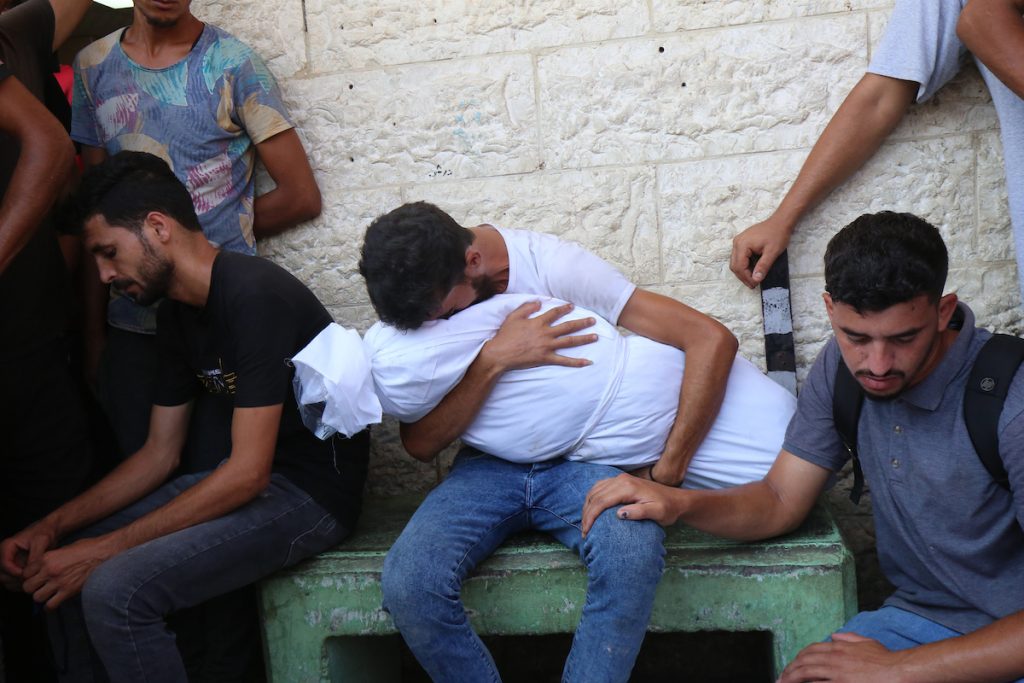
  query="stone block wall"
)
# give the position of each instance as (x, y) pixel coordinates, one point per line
(651, 131)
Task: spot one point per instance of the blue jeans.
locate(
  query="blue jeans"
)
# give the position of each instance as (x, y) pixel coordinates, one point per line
(898, 629)
(484, 500)
(124, 602)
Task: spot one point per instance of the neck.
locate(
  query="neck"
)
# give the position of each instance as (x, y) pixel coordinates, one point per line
(492, 246)
(157, 47)
(193, 268)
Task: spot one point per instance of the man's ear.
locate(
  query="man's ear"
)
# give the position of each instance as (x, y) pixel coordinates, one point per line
(160, 225)
(829, 304)
(947, 305)
(474, 262)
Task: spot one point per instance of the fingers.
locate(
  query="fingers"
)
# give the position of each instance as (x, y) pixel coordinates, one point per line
(603, 495)
(524, 311)
(764, 264)
(553, 314)
(849, 637)
(9, 553)
(739, 261)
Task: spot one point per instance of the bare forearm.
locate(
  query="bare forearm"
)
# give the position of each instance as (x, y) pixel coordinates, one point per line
(745, 513)
(432, 433)
(993, 30)
(130, 481)
(224, 490)
(707, 372)
(869, 114)
(42, 170)
(989, 655)
(276, 212)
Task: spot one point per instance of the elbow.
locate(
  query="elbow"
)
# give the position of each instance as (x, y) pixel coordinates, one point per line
(309, 203)
(722, 340)
(417, 448)
(967, 25)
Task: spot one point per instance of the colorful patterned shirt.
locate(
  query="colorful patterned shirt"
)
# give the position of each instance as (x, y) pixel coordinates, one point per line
(202, 115)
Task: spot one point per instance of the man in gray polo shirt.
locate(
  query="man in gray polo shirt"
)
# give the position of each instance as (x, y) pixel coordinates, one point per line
(949, 536)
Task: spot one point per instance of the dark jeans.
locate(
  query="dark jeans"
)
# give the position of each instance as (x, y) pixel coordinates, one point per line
(45, 459)
(125, 602)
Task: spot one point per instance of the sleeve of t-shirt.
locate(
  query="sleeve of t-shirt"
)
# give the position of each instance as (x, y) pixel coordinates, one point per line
(572, 273)
(812, 434)
(262, 332)
(259, 106)
(920, 44)
(83, 111)
(176, 379)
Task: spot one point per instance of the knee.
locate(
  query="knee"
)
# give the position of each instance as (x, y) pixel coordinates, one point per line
(111, 595)
(624, 548)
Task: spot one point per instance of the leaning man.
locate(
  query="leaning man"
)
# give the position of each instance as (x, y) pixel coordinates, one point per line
(152, 546)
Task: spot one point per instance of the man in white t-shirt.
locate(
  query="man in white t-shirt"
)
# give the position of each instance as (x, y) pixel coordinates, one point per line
(616, 411)
(421, 265)
(924, 46)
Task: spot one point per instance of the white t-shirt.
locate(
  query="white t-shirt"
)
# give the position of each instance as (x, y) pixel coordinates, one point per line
(543, 264)
(617, 411)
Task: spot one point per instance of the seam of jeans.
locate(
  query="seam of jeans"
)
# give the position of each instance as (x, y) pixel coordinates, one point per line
(304, 534)
(128, 628)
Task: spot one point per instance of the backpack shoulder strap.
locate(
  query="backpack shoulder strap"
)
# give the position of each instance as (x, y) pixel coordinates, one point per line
(847, 399)
(985, 394)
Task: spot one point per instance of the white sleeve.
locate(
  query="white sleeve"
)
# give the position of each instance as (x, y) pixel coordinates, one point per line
(565, 270)
(920, 44)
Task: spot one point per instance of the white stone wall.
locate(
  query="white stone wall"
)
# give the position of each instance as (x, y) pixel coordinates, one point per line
(651, 131)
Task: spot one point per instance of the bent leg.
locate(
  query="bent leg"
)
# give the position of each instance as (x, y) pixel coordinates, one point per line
(460, 523)
(624, 560)
(126, 599)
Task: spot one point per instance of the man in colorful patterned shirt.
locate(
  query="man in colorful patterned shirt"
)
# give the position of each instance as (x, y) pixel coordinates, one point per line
(205, 103)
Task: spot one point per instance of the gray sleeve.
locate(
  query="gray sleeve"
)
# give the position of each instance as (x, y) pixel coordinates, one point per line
(812, 434)
(920, 44)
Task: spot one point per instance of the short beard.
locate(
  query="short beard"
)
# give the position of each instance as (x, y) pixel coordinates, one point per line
(484, 288)
(155, 275)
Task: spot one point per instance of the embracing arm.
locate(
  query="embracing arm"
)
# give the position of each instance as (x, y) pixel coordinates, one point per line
(43, 166)
(710, 349)
(776, 504)
(296, 197)
(989, 655)
(868, 114)
(993, 30)
(521, 342)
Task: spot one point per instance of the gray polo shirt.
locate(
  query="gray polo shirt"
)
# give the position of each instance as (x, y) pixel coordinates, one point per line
(949, 538)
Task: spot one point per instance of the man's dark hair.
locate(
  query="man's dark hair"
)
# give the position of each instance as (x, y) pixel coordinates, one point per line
(411, 258)
(883, 259)
(126, 187)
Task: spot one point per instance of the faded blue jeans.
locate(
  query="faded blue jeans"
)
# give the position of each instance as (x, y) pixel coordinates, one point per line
(484, 500)
(125, 600)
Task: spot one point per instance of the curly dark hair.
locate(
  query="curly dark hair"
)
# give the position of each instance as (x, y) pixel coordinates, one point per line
(411, 258)
(883, 259)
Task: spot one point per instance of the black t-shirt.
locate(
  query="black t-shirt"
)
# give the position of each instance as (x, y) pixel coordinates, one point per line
(258, 316)
(34, 289)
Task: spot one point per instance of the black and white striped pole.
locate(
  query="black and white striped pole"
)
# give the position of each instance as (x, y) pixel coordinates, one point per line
(777, 315)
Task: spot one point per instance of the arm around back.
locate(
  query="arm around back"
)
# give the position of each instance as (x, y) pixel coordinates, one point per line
(710, 349)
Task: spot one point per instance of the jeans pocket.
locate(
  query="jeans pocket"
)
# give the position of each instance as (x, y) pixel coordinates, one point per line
(323, 535)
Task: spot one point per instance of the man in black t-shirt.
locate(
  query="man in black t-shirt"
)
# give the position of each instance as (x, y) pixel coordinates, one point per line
(228, 327)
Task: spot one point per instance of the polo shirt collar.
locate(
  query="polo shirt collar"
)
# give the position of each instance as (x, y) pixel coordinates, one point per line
(928, 394)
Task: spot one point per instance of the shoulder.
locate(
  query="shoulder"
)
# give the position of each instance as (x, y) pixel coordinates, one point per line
(258, 285)
(96, 52)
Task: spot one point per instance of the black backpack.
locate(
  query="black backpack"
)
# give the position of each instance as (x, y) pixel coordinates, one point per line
(984, 395)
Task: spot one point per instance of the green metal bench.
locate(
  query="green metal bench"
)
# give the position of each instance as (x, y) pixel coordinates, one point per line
(322, 619)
